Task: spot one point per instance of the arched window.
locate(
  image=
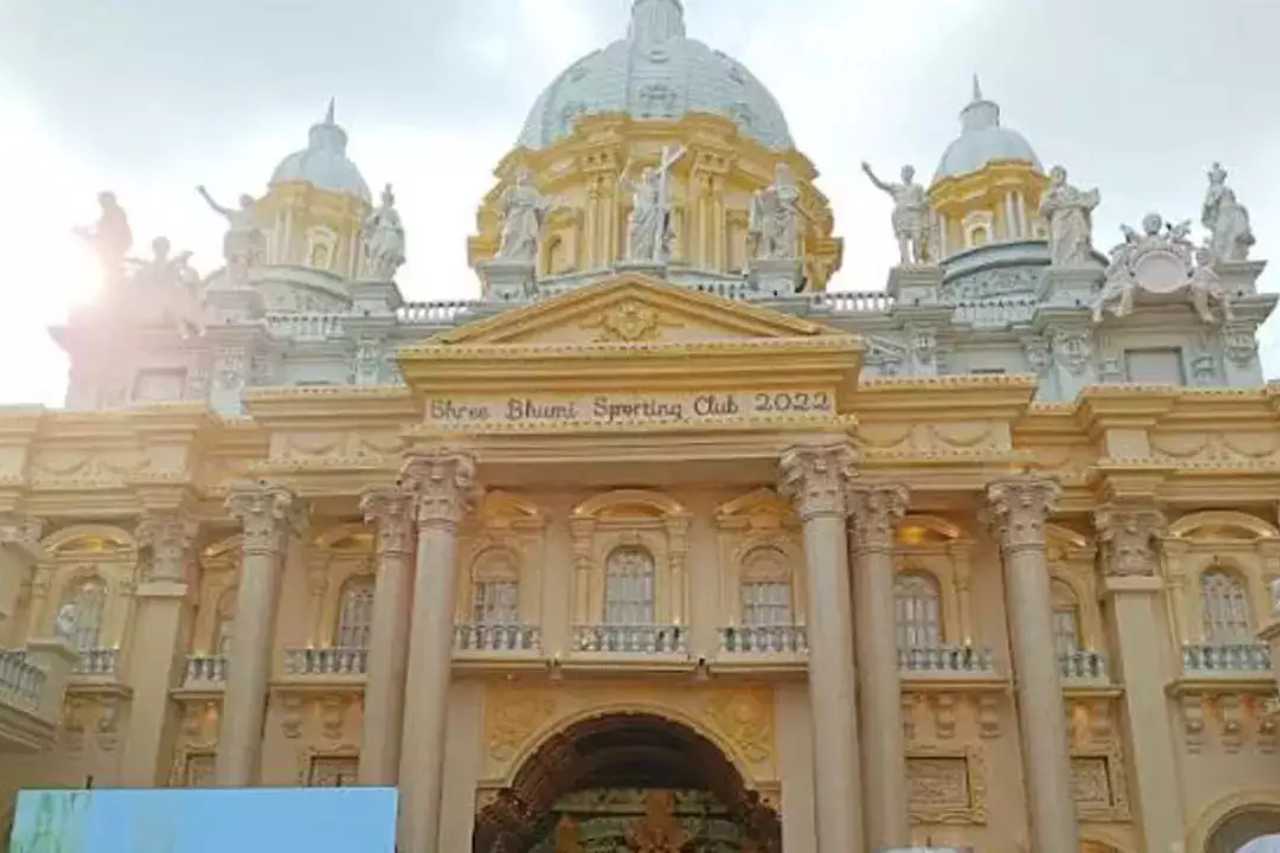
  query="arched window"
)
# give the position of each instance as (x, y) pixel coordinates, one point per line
(919, 611)
(355, 613)
(629, 582)
(224, 623)
(88, 599)
(1226, 608)
(1066, 619)
(495, 590)
(766, 589)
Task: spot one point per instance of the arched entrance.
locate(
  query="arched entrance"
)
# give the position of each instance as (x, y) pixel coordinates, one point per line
(628, 782)
(1242, 827)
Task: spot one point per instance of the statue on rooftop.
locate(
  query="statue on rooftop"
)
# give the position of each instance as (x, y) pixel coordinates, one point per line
(1069, 212)
(910, 215)
(775, 218)
(382, 236)
(1227, 220)
(166, 288)
(110, 238)
(524, 213)
(649, 227)
(245, 244)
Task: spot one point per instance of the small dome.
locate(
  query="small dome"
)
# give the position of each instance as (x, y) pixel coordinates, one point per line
(656, 72)
(324, 163)
(983, 141)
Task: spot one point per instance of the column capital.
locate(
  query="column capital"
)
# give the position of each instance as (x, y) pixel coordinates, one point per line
(269, 512)
(1128, 535)
(391, 510)
(171, 536)
(875, 509)
(814, 479)
(22, 532)
(1019, 507)
(444, 487)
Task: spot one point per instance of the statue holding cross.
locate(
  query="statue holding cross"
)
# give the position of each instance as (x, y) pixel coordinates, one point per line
(649, 231)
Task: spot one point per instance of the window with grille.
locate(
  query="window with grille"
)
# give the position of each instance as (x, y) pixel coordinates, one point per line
(495, 590)
(1066, 619)
(1226, 608)
(766, 589)
(629, 587)
(355, 614)
(88, 599)
(918, 602)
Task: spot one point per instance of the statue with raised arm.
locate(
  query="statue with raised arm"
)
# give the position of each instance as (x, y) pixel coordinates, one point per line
(382, 236)
(775, 218)
(649, 227)
(1069, 212)
(910, 215)
(110, 238)
(244, 244)
(1231, 236)
(524, 213)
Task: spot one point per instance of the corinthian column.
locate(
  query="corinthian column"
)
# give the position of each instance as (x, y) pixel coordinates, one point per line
(270, 513)
(1019, 507)
(391, 511)
(874, 513)
(814, 479)
(444, 491)
(19, 550)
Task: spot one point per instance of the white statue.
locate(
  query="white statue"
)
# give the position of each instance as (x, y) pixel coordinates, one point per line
(1069, 213)
(1207, 290)
(244, 245)
(524, 213)
(167, 288)
(110, 238)
(1227, 219)
(382, 236)
(65, 624)
(775, 218)
(649, 229)
(910, 215)
(163, 270)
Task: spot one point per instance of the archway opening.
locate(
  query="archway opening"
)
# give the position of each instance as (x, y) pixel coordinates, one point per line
(1244, 826)
(635, 781)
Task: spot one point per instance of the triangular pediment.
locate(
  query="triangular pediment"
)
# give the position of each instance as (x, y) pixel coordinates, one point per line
(631, 309)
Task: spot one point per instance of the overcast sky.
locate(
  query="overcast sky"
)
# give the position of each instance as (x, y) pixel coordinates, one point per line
(151, 97)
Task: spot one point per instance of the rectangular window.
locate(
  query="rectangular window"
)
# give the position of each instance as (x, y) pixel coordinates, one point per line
(496, 603)
(160, 385)
(766, 604)
(1155, 366)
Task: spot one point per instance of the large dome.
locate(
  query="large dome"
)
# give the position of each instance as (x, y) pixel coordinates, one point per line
(982, 141)
(324, 163)
(656, 72)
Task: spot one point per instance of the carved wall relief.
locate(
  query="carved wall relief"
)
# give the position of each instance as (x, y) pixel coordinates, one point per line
(947, 787)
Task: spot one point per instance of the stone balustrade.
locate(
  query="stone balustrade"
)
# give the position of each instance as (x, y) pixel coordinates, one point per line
(506, 639)
(97, 663)
(321, 662)
(853, 302)
(307, 326)
(1251, 659)
(764, 640)
(632, 639)
(953, 661)
(21, 682)
(1083, 665)
(438, 313)
(206, 669)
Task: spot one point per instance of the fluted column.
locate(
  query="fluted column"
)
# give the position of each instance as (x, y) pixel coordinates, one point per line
(1019, 508)
(814, 479)
(444, 489)
(390, 510)
(874, 513)
(160, 626)
(270, 514)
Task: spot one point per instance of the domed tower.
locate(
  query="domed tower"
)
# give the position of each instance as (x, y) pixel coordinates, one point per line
(612, 113)
(985, 199)
(311, 216)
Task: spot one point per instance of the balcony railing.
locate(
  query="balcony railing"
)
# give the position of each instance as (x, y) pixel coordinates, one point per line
(946, 661)
(333, 661)
(21, 682)
(632, 639)
(1226, 659)
(97, 662)
(764, 640)
(510, 639)
(1083, 665)
(206, 669)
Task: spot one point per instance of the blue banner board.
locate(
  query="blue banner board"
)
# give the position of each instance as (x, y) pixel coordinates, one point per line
(248, 820)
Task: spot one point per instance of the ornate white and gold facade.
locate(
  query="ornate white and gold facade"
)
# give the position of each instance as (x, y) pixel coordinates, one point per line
(653, 560)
